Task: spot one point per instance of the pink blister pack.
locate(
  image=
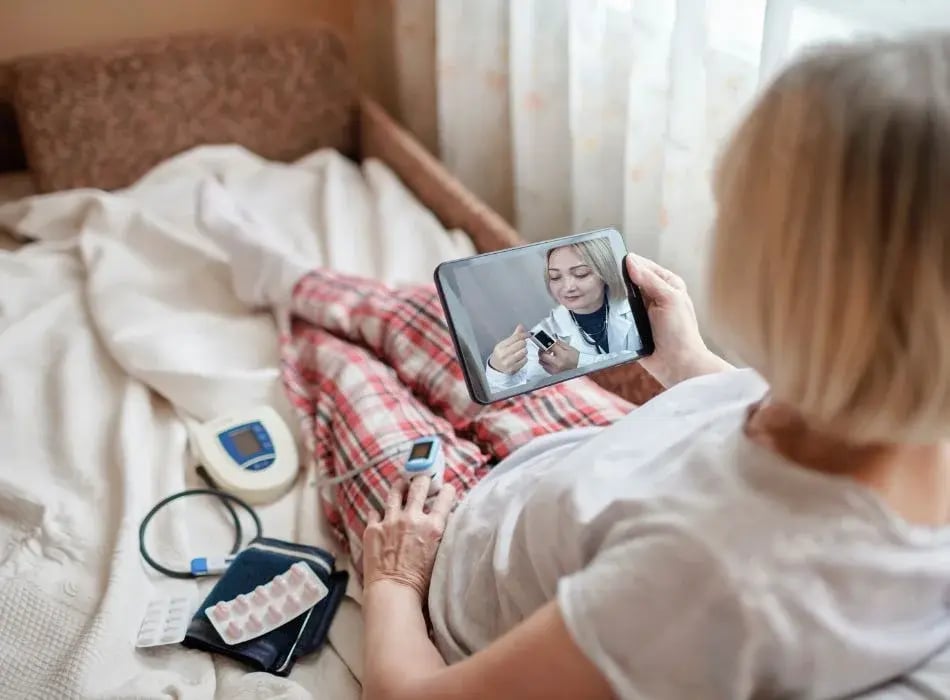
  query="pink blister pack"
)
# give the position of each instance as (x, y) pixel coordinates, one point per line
(269, 606)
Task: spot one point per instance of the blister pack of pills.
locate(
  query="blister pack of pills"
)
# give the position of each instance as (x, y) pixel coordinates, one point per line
(165, 621)
(269, 606)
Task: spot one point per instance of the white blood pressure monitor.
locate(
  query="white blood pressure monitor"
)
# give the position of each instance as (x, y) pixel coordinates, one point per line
(426, 458)
(250, 453)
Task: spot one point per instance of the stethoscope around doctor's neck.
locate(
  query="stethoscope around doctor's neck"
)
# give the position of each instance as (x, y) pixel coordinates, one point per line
(588, 338)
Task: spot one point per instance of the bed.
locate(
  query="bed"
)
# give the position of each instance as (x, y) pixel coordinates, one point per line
(117, 321)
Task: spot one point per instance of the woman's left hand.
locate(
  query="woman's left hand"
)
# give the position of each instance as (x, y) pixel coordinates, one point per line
(560, 358)
(402, 546)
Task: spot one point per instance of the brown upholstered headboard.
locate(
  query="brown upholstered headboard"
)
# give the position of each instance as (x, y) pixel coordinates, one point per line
(103, 116)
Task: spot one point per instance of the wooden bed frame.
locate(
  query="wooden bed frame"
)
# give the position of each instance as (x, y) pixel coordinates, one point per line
(103, 116)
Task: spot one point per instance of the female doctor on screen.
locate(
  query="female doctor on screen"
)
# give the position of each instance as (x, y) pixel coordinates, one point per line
(592, 322)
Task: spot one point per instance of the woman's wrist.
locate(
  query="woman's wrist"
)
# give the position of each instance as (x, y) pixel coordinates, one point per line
(392, 589)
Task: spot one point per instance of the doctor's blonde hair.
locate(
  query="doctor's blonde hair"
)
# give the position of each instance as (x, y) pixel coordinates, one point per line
(831, 255)
(599, 256)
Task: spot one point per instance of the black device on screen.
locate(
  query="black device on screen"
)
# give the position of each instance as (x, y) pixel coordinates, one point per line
(542, 340)
(574, 289)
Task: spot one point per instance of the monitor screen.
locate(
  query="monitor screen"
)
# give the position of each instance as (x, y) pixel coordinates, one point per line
(421, 450)
(246, 442)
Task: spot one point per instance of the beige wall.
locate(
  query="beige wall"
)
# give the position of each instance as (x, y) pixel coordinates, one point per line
(31, 26)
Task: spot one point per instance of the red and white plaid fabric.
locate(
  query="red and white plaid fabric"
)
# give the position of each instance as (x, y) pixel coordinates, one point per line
(369, 368)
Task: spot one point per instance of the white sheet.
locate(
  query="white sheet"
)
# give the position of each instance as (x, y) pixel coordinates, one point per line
(119, 318)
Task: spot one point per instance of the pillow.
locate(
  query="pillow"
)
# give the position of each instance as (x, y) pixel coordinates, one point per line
(102, 117)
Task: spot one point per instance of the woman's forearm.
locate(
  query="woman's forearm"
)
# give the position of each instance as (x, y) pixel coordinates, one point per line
(399, 655)
(707, 362)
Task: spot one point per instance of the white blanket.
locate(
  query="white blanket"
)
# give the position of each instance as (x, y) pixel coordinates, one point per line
(118, 320)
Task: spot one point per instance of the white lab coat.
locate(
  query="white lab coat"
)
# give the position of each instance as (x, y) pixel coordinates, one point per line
(622, 338)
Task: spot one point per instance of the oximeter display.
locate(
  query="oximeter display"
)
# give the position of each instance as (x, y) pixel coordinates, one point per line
(420, 450)
(245, 441)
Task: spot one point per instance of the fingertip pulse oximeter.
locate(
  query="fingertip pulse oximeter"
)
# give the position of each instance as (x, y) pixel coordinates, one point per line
(426, 459)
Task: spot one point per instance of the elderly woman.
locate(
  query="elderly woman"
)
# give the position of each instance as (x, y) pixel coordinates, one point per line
(777, 531)
(592, 322)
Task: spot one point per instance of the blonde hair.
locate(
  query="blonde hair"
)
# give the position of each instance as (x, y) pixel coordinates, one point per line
(831, 255)
(599, 256)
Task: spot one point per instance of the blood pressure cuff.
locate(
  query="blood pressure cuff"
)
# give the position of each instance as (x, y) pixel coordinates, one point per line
(277, 651)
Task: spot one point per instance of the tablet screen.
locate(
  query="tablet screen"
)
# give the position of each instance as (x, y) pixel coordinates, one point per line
(572, 290)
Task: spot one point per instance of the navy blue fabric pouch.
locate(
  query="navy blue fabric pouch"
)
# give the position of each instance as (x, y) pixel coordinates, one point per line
(278, 650)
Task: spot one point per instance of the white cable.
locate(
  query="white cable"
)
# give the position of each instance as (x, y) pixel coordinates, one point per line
(387, 453)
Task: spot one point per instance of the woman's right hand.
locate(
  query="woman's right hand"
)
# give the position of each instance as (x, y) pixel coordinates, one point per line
(680, 351)
(511, 353)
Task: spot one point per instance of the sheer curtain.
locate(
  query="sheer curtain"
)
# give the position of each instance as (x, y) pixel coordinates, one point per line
(567, 115)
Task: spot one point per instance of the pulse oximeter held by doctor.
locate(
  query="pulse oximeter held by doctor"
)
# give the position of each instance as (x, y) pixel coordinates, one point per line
(592, 322)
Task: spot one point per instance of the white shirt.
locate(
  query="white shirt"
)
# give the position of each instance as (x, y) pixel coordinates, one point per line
(688, 562)
(622, 337)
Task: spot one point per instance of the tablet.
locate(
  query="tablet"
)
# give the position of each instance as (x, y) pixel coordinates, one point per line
(543, 313)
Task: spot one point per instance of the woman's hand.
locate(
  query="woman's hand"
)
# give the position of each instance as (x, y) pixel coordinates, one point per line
(511, 353)
(680, 350)
(560, 357)
(401, 547)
